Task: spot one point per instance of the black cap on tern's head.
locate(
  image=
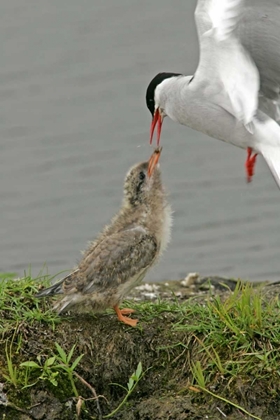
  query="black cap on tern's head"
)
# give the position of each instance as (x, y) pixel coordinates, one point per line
(156, 111)
(150, 94)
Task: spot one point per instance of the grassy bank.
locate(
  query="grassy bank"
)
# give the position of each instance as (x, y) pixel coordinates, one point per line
(214, 354)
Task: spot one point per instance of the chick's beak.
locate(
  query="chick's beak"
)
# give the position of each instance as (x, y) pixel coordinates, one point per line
(154, 160)
(157, 120)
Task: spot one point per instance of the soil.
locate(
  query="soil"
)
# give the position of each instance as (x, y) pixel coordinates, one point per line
(112, 352)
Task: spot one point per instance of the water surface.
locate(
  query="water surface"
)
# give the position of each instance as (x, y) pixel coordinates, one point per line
(73, 120)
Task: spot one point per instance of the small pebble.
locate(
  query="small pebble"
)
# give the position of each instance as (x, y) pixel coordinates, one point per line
(147, 287)
(190, 279)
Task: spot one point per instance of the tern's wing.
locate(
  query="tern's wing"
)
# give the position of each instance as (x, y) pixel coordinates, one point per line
(112, 262)
(58, 287)
(254, 25)
(259, 32)
(221, 14)
(226, 73)
(115, 260)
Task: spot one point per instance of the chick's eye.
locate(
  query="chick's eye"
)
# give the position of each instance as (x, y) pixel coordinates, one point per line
(142, 176)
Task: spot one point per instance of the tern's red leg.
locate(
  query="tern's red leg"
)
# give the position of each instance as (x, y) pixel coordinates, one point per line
(120, 314)
(250, 164)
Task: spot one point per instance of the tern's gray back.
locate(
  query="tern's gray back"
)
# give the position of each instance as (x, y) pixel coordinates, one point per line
(259, 31)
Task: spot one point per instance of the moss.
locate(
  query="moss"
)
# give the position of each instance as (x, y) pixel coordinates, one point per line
(171, 337)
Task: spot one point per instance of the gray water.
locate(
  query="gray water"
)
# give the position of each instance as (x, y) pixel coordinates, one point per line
(73, 119)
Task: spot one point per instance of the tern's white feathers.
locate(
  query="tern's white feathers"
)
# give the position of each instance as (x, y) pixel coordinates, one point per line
(234, 95)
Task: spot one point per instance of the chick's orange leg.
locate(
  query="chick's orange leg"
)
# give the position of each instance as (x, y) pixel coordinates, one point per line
(250, 164)
(125, 319)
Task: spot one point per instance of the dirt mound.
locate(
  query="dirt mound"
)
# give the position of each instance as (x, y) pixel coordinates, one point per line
(163, 388)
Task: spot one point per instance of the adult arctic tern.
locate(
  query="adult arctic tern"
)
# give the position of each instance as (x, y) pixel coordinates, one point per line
(234, 95)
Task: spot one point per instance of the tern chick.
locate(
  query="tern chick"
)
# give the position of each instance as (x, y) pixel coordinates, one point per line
(124, 251)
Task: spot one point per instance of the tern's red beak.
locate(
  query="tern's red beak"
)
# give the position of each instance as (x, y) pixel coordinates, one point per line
(154, 160)
(157, 120)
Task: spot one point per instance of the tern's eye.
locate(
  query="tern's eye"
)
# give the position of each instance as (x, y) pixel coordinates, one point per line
(142, 176)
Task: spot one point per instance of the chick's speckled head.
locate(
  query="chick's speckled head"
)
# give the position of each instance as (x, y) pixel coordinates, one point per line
(140, 185)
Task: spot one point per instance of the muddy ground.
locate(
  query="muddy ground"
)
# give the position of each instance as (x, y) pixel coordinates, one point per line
(112, 352)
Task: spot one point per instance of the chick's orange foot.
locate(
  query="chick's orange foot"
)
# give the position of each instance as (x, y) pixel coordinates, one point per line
(126, 311)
